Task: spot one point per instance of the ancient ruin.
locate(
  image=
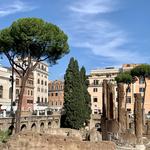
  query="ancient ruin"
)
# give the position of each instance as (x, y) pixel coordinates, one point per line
(117, 124)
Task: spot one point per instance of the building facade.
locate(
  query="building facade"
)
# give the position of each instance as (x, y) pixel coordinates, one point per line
(6, 95)
(56, 95)
(41, 86)
(96, 78)
(28, 97)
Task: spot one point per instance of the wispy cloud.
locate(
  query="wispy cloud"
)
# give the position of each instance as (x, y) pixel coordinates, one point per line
(89, 29)
(15, 7)
(92, 7)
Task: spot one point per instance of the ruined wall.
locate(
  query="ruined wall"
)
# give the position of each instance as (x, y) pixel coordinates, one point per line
(30, 141)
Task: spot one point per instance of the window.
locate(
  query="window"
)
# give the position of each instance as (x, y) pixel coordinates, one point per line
(30, 82)
(141, 89)
(45, 90)
(128, 99)
(45, 100)
(42, 82)
(28, 92)
(52, 103)
(38, 100)
(95, 112)
(56, 103)
(17, 81)
(31, 93)
(60, 103)
(30, 101)
(42, 67)
(1, 91)
(38, 81)
(17, 92)
(128, 89)
(95, 90)
(95, 99)
(42, 100)
(141, 80)
(96, 82)
(56, 94)
(42, 90)
(128, 109)
(45, 83)
(38, 89)
(52, 94)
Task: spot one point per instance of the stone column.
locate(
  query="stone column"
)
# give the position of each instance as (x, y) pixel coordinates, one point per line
(121, 108)
(110, 102)
(104, 111)
(104, 104)
(138, 118)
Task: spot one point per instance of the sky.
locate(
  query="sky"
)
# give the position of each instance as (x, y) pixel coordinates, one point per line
(102, 33)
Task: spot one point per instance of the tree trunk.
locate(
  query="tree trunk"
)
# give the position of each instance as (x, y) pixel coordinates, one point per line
(143, 109)
(19, 108)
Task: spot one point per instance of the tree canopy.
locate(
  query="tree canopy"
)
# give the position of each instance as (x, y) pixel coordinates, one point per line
(27, 42)
(34, 37)
(141, 71)
(124, 77)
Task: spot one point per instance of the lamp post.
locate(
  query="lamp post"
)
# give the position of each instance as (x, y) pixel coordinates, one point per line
(12, 90)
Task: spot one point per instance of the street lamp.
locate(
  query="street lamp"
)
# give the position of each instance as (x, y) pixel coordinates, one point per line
(12, 90)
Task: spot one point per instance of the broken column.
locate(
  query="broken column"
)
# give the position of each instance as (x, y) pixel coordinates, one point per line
(104, 111)
(110, 101)
(138, 118)
(121, 108)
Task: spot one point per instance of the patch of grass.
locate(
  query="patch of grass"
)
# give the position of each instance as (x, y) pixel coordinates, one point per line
(4, 136)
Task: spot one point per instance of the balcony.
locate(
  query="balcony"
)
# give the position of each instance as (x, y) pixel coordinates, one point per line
(95, 85)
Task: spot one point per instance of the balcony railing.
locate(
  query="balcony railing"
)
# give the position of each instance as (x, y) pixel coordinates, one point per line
(95, 85)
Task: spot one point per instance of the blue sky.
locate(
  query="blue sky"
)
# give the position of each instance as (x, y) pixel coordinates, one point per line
(101, 33)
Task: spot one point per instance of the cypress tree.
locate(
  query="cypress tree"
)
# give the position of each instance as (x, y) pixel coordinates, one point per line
(87, 97)
(74, 114)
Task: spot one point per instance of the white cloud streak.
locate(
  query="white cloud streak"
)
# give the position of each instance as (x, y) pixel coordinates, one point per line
(88, 29)
(92, 7)
(15, 7)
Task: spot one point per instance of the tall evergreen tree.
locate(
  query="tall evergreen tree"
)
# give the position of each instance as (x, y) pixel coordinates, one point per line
(74, 103)
(87, 97)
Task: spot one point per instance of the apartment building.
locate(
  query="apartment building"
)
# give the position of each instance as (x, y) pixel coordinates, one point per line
(56, 95)
(41, 86)
(96, 78)
(6, 88)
